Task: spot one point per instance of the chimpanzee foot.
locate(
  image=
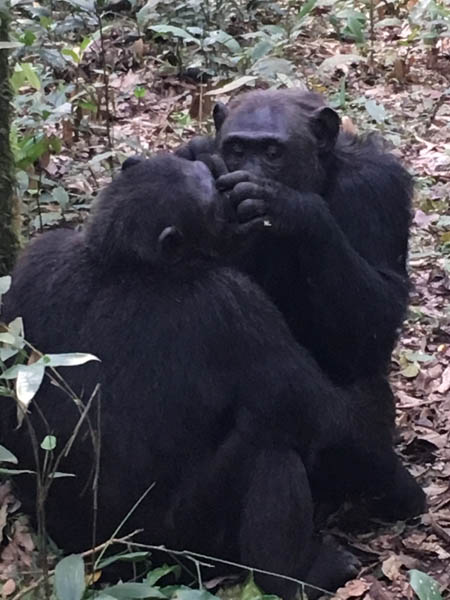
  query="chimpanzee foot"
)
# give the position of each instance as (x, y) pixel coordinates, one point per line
(332, 568)
(405, 499)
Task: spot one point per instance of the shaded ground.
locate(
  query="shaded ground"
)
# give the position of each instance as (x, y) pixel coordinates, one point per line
(412, 107)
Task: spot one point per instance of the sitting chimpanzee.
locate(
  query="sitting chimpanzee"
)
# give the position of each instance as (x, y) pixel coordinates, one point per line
(203, 388)
(336, 210)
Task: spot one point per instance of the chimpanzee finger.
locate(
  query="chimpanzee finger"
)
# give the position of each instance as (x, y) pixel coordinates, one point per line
(243, 229)
(250, 209)
(219, 167)
(207, 159)
(244, 190)
(195, 147)
(228, 181)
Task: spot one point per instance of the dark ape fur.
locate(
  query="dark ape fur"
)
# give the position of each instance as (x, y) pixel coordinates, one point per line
(334, 211)
(204, 391)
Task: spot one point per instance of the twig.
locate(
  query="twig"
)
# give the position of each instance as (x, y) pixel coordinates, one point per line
(196, 555)
(98, 548)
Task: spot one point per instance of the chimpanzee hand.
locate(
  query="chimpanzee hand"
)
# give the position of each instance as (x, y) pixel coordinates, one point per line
(196, 147)
(264, 201)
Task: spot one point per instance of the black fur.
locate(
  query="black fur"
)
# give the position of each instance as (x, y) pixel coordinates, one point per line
(204, 390)
(330, 213)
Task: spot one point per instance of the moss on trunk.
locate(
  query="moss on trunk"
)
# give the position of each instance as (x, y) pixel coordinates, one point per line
(9, 209)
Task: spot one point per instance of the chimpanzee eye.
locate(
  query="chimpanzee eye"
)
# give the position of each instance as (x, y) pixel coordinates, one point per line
(237, 149)
(274, 151)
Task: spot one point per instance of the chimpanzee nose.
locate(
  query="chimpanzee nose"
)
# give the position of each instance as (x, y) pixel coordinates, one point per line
(253, 165)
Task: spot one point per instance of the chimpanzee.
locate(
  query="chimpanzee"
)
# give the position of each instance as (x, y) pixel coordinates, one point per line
(204, 390)
(336, 210)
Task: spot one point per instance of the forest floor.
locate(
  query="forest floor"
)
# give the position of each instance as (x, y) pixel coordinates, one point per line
(407, 97)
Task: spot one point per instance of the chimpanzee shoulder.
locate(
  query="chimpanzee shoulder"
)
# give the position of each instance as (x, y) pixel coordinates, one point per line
(369, 192)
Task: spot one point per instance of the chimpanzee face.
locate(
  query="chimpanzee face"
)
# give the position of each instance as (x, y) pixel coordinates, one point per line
(271, 135)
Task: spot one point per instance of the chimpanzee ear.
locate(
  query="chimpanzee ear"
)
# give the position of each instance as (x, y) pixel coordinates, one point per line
(171, 244)
(325, 124)
(220, 113)
(131, 161)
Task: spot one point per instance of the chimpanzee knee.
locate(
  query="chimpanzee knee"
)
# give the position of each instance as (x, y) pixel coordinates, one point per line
(276, 532)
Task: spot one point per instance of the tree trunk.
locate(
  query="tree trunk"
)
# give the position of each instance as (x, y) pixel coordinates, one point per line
(9, 210)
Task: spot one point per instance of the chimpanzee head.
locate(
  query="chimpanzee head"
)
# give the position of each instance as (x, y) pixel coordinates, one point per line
(158, 211)
(281, 134)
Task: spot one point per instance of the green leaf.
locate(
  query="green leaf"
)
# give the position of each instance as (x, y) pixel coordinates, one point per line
(60, 475)
(250, 591)
(222, 37)
(71, 359)
(140, 91)
(48, 443)
(130, 591)
(376, 111)
(146, 10)
(15, 329)
(5, 284)
(444, 221)
(10, 373)
(306, 9)
(7, 456)
(7, 338)
(99, 157)
(156, 574)
(125, 557)
(71, 54)
(54, 142)
(16, 472)
(85, 5)
(261, 49)
(357, 29)
(185, 593)
(418, 356)
(69, 578)
(425, 586)
(28, 382)
(60, 195)
(31, 76)
(411, 371)
(85, 43)
(175, 31)
(28, 38)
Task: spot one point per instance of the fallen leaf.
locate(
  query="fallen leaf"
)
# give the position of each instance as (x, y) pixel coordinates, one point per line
(9, 587)
(445, 385)
(352, 589)
(391, 566)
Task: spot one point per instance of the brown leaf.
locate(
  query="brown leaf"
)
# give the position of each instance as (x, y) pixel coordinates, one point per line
(3, 513)
(391, 567)
(445, 385)
(9, 587)
(353, 589)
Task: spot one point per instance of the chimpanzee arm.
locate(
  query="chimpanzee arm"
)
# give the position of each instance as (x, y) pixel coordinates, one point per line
(357, 300)
(357, 284)
(349, 254)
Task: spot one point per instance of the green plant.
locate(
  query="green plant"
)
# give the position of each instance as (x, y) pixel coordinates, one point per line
(424, 586)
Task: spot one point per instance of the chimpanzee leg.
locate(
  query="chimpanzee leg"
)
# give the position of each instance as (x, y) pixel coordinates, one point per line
(401, 498)
(375, 473)
(276, 532)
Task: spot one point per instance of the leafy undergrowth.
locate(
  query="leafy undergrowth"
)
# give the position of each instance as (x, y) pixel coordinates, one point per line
(405, 97)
